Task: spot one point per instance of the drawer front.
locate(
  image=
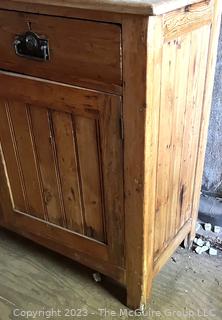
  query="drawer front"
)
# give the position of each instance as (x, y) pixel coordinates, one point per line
(81, 52)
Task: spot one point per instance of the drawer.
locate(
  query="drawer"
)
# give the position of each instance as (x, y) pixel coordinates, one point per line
(81, 52)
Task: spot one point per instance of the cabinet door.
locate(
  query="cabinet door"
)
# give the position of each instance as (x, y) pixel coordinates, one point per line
(62, 163)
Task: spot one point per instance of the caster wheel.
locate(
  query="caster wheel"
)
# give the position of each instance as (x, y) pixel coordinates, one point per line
(142, 307)
(97, 277)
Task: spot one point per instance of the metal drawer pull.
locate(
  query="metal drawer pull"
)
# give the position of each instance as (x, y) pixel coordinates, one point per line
(30, 45)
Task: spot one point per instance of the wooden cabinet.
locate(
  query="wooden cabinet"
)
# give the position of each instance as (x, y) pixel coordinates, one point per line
(103, 125)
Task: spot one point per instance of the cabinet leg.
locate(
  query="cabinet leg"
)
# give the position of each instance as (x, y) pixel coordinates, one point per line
(138, 296)
(97, 277)
(188, 242)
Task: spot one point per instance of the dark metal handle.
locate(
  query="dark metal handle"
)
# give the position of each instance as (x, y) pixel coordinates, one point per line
(30, 45)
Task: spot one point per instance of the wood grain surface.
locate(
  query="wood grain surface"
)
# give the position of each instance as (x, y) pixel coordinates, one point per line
(59, 165)
(211, 64)
(155, 7)
(86, 53)
(184, 68)
(109, 175)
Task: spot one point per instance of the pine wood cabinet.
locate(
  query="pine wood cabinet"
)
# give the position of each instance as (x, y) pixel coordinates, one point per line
(103, 124)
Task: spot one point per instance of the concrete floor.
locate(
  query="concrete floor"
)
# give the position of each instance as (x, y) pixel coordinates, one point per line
(35, 279)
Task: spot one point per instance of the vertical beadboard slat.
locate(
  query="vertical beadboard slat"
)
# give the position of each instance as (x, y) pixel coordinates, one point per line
(12, 161)
(67, 162)
(90, 173)
(43, 142)
(23, 143)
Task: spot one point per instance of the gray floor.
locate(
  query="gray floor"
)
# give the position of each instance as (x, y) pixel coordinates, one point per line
(36, 280)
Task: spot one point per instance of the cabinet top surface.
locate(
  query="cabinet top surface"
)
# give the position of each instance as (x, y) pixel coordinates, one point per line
(154, 7)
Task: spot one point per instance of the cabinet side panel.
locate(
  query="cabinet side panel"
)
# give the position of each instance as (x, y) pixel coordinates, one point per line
(195, 95)
(206, 111)
(199, 87)
(182, 91)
